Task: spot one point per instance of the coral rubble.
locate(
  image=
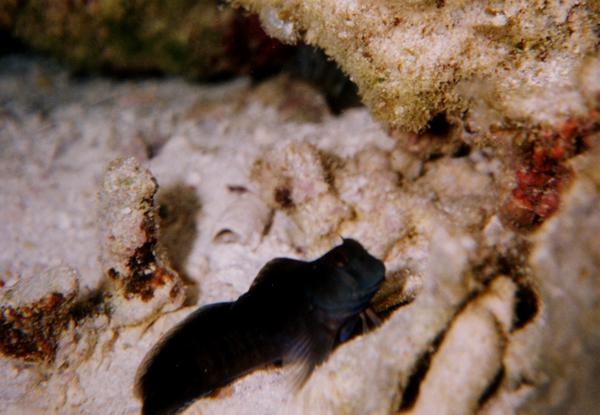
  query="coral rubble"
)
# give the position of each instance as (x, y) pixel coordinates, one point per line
(34, 313)
(144, 282)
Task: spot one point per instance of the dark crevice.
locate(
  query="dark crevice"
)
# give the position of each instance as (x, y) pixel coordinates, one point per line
(492, 387)
(526, 307)
(386, 313)
(436, 155)
(268, 224)
(511, 263)
(249, 50)
(420, 369)
(237, 188)
(283, 197)
(463, 150)
(9, 44)
(312, 65)
(92, 304)
(579, 145)
(153, 144)
(80, 72)
(439, 126)
(506, 265)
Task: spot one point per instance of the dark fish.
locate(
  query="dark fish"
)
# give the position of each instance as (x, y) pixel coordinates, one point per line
(294, 312)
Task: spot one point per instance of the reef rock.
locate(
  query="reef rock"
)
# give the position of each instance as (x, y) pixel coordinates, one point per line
(475, 60)
(567, 260)
(479, 315)
(198, 39)
(145, 284)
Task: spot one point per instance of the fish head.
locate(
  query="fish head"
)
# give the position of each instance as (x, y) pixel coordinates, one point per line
(346, 278)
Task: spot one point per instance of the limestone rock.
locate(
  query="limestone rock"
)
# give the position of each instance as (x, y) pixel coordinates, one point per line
(198, 39)
(35, 312)
(413, 60)
(145, 285)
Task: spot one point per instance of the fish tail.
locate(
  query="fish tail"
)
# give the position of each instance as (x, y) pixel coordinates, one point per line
(211, 348)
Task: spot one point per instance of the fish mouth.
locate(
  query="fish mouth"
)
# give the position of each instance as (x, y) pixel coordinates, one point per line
(371, 290)
(376, 284)
(365, 293)
(354, 304)
(361, 293)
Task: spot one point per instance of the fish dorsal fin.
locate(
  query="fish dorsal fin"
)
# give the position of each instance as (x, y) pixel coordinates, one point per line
(274, 269)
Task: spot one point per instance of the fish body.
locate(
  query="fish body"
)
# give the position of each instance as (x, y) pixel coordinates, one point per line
(294, 312)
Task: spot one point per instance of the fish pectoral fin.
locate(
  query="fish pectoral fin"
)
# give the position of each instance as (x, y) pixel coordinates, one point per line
(362, 323)
(299, 374)
(308, 351)
(372, 319)
(349, 329)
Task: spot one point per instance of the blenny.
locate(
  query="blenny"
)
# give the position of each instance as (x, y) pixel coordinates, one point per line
(294, 312)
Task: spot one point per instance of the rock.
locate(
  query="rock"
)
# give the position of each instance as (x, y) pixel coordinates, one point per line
(413, 61)
(296, 178)
(144, 283)
(566, 259)
(460, 375)
(34, 312)
(199, 39)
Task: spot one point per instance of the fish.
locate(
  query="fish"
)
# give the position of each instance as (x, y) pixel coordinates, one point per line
(295, 312)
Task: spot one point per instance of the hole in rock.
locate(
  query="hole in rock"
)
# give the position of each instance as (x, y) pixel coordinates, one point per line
(526, 307)
(439, 126)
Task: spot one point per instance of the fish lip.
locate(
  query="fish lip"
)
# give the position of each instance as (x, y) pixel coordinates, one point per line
(375, 286)
(370, 290)
(360, 300)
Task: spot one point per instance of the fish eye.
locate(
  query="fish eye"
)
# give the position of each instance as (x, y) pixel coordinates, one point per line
(340, 259)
